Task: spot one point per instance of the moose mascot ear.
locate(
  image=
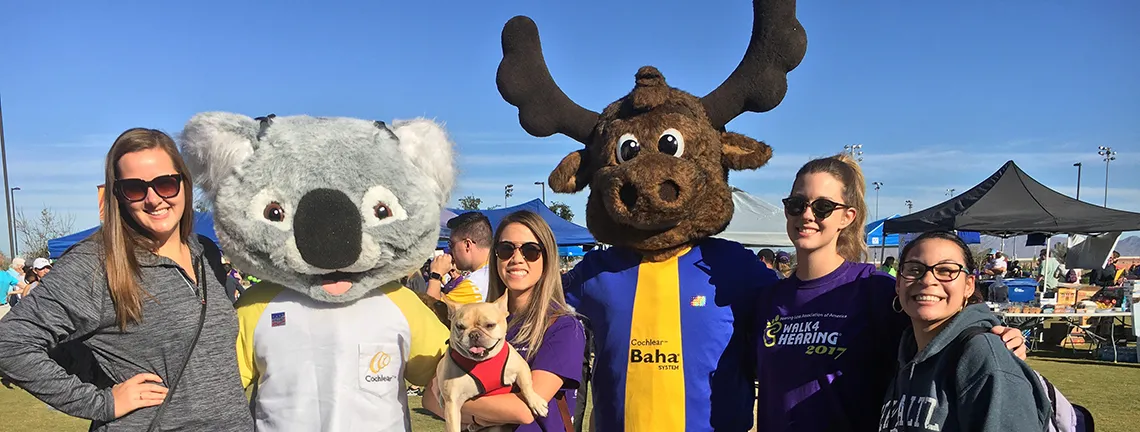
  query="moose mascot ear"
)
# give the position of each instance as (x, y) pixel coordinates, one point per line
(741, 153)
(572, 174)
(214, 144)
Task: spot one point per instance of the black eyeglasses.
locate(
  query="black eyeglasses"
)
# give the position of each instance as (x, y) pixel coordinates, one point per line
(821, 207)
(135, 190)
(531, 251)
(944, 272)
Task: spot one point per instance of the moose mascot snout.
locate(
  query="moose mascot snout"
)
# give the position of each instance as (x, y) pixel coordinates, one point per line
(669, 304)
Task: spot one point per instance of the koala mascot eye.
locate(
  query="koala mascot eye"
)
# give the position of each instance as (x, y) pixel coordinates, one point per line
(380, 206)
(273, 212)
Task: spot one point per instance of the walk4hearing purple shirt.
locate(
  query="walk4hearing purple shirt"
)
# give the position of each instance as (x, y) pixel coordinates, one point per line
(826, 350)
(563, 348)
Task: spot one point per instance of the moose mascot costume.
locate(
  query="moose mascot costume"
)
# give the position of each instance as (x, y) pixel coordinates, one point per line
(668, 304)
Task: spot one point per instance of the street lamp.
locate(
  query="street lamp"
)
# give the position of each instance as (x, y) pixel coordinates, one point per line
(1109, 156)
(7, 198)
(1078, 165)
(12, 217)
(543, 186)
(909, 207)
(855, 151)
(950, 192)
(878, 185)
(507, 192)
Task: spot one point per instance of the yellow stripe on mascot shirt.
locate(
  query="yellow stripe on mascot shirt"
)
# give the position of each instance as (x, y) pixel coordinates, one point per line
(655, 389)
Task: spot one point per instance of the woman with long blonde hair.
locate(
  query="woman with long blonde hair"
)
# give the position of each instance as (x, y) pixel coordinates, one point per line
(828, 335)
(543, 329)
(141, 296)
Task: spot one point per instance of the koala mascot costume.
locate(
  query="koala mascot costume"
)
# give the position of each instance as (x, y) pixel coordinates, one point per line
(669, 305)
(330, 213)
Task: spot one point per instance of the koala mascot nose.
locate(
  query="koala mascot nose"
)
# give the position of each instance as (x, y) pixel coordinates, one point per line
(327, 229)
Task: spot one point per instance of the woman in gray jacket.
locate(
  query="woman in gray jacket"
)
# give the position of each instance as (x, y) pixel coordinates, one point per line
(140, 295)
(954, 375)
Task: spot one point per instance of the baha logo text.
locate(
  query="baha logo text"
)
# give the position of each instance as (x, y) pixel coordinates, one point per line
(649, 351)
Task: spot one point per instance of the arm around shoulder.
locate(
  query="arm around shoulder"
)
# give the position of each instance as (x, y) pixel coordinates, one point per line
(995, 393)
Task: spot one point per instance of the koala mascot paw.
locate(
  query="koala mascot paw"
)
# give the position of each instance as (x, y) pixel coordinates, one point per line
(330, 213)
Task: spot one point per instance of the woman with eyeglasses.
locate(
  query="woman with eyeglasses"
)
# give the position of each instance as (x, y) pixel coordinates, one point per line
(954, 375)
(542, 328)
(140, 295)
(827, 333)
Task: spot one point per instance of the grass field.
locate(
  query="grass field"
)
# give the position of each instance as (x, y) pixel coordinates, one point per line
(1111, 391)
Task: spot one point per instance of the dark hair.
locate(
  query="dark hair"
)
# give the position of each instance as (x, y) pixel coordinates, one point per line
(767, 255)
(472, 225)
(890, 261)
(967, 255)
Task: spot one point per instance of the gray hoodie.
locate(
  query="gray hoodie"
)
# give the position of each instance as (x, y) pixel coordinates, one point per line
(990, 390)
(73, 304)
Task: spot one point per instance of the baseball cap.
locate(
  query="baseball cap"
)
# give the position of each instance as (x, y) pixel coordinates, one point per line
(40, 263)
(783, 257)
(17, 262)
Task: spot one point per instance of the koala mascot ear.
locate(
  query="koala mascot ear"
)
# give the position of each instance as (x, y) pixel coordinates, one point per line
(429, 148)
(214, 144)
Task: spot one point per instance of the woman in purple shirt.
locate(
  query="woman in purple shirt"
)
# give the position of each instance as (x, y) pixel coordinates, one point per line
(827, 335)
(543, 329)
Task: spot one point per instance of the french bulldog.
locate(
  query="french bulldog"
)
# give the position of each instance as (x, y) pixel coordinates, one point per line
(481, 362)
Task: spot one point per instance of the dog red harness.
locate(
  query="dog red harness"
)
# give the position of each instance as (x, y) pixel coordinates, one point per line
(488, 374)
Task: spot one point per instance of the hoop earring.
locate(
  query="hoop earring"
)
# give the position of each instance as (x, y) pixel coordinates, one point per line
(898, 302)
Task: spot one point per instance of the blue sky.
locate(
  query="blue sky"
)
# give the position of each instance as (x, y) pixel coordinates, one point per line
(939, 95)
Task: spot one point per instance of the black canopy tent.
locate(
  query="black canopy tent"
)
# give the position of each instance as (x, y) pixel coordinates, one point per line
(1011, 203)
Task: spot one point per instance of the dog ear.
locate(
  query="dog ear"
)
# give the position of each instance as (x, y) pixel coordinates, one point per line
(452, 306)
(215, 144)
(427, 145)
(501, 303)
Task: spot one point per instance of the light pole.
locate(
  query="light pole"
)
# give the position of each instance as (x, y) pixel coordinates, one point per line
(1109, 156)
(543, 186)
(878, 185)
(15, 243)
(950, 193)
(855, 151)
(1078, 165)
(507, 191)
(909, 207)
(7, 198)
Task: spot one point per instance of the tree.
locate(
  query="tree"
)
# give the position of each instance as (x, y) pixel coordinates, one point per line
(470, 202)
(562, 210)
(1060, 250)
(201, 203)
(35, 233)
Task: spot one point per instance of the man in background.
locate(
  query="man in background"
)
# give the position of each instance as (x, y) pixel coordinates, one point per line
(768, 257)
(469, 249)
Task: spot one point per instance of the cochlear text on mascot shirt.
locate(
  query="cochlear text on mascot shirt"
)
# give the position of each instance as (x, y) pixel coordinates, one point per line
(670, 337)
(826, 349)
(325, 368)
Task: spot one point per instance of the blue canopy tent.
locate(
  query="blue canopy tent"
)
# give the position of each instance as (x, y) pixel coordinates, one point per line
(874, 232)
(565, 232)
(203, 224)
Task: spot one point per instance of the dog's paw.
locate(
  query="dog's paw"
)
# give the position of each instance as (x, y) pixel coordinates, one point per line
(537, 405)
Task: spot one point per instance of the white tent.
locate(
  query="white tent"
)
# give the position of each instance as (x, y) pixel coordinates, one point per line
(756, 223)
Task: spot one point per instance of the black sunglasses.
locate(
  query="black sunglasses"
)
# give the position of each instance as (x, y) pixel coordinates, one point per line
(135, 190)
(821, 207)
(944, 272)
(531, 251)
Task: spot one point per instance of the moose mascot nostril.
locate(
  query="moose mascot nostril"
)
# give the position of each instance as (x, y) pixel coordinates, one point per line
(670, 305)
(330, 213)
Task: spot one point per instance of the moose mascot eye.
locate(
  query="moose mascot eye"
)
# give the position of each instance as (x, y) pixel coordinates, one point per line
(628, 148)
(274, 212)
(671, 143)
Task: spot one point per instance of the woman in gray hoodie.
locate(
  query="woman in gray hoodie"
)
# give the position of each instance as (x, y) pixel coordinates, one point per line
(141, 297)
(953, 377)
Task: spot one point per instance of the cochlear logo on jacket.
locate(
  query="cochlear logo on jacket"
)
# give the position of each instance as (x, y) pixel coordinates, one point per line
(649, 351)
(377, 364)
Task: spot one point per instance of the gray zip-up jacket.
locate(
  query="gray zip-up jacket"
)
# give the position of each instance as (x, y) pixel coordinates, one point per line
(73, 302)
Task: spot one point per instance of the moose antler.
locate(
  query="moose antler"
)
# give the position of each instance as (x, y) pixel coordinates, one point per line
(760, 81)
(525, 82)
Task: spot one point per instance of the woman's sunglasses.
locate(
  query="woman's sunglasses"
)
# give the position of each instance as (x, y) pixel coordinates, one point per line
(530, 251)
(821, 207)
(135, 190)
(944, 272)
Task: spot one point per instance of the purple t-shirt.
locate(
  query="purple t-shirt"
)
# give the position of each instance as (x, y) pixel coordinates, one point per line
(826, 350)
(561, 353)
